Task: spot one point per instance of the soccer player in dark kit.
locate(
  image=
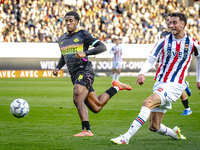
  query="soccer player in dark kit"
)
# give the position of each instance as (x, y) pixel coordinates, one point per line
(74, 46)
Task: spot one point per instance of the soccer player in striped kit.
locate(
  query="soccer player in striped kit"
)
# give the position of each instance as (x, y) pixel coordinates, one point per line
(175, 51)
(183, 97)
(117, 60)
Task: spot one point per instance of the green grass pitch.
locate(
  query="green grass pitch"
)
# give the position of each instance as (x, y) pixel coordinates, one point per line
(53, 118)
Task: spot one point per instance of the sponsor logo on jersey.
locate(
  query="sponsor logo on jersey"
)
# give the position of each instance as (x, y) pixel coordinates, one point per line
(71, 49)
(76, 40)
(160, 89)
(186, 46)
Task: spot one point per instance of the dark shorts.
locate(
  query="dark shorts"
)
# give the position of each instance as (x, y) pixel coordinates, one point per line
(84, 78)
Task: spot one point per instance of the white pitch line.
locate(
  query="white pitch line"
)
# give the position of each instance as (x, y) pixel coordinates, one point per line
(103, 108)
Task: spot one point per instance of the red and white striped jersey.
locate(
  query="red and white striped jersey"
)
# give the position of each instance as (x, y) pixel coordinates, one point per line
(175, 57)
(117, 51)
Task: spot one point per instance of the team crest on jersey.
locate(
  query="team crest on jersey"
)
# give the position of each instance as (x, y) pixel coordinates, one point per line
(61, 43)
(76, 40)
(186, 46)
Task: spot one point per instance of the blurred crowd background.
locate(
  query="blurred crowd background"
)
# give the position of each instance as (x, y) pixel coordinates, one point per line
(131, 21)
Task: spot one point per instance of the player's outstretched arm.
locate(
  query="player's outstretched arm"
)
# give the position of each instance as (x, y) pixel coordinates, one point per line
(99, 48)
(61, 63)
(140, 79)
(145, 68)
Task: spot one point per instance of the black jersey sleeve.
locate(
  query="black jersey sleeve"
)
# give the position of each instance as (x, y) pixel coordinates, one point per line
(91, 40)
(99, 48)
(61, 62)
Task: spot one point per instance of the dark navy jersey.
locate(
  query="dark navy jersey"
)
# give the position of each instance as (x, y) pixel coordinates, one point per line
(163, 34)
(70, 44)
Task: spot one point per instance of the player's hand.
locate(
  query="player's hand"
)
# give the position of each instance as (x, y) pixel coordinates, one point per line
(157, 65)
(198, 85)
(140, 79)
(55, 72)
(79, 55)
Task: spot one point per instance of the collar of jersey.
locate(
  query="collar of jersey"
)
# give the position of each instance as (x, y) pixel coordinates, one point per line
(72, 33)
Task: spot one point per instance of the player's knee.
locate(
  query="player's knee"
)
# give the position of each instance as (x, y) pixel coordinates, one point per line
(147, 102)
(94, 109)
(153, 128)
(76, 99)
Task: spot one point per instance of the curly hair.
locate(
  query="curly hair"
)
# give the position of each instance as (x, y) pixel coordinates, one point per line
(73, 13)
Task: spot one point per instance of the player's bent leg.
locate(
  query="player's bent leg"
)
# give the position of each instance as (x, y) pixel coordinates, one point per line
(151, 102)
(185, 103)
(137, 123)
(155, 125)
(94, 103)
(183, 96)
(155, 120)
(188, 91)
(79, 95)
(174, 133)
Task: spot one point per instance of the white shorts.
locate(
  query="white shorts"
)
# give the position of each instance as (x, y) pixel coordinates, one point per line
(117, 64)
(169, 92)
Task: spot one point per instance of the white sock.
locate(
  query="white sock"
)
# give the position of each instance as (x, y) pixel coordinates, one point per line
(138, 122)
(116, 88)
(166, 131)
(113, 76)
(188, 108)
(117, 77)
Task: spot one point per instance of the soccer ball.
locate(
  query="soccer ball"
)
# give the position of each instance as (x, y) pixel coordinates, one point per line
(19, 108)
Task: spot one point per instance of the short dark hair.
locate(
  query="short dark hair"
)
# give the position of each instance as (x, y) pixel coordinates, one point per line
(73, 13)
(181, 16)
